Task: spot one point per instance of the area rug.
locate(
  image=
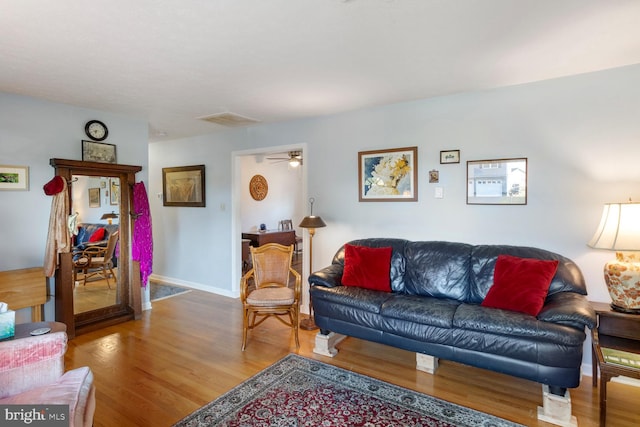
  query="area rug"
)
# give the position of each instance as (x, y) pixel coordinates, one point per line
(296, 391)
(159, 291)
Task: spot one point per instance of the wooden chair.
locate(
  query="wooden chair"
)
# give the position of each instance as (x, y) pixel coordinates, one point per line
(96, 260)
(287, 224)
(270, 295)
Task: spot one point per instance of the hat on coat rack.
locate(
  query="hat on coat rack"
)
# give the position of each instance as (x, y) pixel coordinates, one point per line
(54, 186)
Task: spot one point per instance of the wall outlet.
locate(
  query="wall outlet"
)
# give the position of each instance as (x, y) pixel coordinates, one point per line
(439, 194)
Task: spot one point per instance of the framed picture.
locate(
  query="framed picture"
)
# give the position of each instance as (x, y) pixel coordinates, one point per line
(183, 186)
(94, 197)
(114, 188)
(14, 178)
(450, 156)
(388, 175)
(497, 182)
(98, 152)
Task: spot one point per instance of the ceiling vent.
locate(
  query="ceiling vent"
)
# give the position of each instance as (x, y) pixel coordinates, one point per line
(229, 119)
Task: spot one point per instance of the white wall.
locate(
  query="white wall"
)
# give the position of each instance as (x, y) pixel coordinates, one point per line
(284, 198)
(580, 134)
(32, 131)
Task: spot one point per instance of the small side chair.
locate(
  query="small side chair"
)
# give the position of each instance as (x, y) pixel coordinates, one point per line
(265, 290)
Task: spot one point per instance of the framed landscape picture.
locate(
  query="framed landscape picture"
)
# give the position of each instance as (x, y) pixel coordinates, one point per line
(14, 177)
(497, 182)
(183, 186)
(98, 152)
(388, 175)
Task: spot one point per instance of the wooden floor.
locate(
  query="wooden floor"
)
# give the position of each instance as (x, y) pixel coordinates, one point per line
(185, 352)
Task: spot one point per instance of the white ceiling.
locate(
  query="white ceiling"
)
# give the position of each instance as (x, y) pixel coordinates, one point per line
(171, 61)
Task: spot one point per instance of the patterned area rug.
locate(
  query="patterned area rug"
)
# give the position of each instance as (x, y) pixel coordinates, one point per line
(158, 291)
(297, 391)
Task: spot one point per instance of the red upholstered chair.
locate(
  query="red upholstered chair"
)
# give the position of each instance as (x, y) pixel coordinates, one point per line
(32, 373)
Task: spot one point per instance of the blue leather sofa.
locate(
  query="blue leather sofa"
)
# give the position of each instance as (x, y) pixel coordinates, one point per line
(434, 308)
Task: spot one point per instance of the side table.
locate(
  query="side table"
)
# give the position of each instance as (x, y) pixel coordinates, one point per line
(23, 330)
(614, 331)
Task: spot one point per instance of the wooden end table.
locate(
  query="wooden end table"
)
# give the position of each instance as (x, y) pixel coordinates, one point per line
(23, 330)
(614, 331)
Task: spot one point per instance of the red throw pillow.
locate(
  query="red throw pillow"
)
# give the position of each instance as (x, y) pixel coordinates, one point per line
(97, 235)
(367, 267)
(520, 284)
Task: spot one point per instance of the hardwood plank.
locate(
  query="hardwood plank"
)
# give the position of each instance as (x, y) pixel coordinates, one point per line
(186, 352)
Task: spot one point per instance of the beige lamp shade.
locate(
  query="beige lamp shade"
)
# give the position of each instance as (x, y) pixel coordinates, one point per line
(619, 231)
(619, 228)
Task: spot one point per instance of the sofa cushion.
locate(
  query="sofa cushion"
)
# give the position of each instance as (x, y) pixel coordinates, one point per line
(520, 284)
(350, 296)
(398, 265)
(367, 267)
(420, 309)
(437, 269)
(568, 277)
(97, 235)
(505, 323)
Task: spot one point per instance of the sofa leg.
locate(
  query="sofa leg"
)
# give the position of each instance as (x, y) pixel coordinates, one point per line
(426, 363)
(556, 409)
(326, 343)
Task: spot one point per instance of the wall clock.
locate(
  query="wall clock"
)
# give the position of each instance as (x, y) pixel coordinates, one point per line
(258, 187)
(96, 130)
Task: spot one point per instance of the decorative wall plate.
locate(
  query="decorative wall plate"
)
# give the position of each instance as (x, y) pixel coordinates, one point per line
(258, 187)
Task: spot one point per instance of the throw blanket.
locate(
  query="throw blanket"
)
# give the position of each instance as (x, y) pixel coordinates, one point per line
(58, 239)
(142, 248)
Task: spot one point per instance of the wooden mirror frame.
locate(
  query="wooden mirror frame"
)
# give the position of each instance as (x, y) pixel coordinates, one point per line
(130, 305)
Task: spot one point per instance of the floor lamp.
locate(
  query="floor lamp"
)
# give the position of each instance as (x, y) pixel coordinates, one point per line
(310, 222)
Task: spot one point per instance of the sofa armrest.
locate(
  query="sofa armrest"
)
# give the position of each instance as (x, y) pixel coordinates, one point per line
(26, 363)
(568, 308)
(329, 277)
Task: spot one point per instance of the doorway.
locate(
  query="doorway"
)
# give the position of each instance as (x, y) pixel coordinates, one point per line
(285, 199)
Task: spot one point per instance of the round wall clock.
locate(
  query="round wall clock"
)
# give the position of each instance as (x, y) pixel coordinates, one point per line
(96, 130)
(258, 187)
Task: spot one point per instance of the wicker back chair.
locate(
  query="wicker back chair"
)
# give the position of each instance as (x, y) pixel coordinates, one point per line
(265, 290)
(96, 260)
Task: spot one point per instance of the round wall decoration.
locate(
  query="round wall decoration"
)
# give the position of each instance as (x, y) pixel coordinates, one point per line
(258, 187)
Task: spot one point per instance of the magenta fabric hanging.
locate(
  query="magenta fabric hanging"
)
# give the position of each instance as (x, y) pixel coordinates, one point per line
(142, 247)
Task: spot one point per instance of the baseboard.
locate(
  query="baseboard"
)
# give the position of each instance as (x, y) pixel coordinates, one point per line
(193, 285)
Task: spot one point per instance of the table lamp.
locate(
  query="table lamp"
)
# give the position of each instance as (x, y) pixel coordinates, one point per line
(310, 222)
(619, 231)
(109, 216)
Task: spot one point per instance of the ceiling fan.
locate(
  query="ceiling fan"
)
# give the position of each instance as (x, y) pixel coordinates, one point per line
(293, 157)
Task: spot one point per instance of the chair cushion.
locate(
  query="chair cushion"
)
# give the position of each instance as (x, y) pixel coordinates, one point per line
(520, 284)
(271, 296)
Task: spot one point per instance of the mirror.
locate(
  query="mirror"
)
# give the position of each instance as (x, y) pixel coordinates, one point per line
(98, 190)
(96, 276)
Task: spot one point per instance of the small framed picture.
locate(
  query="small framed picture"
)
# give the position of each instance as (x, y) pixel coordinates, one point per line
(450, 156)
(94, 197)
(114, 195)
(14, 178)
(98, 152)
